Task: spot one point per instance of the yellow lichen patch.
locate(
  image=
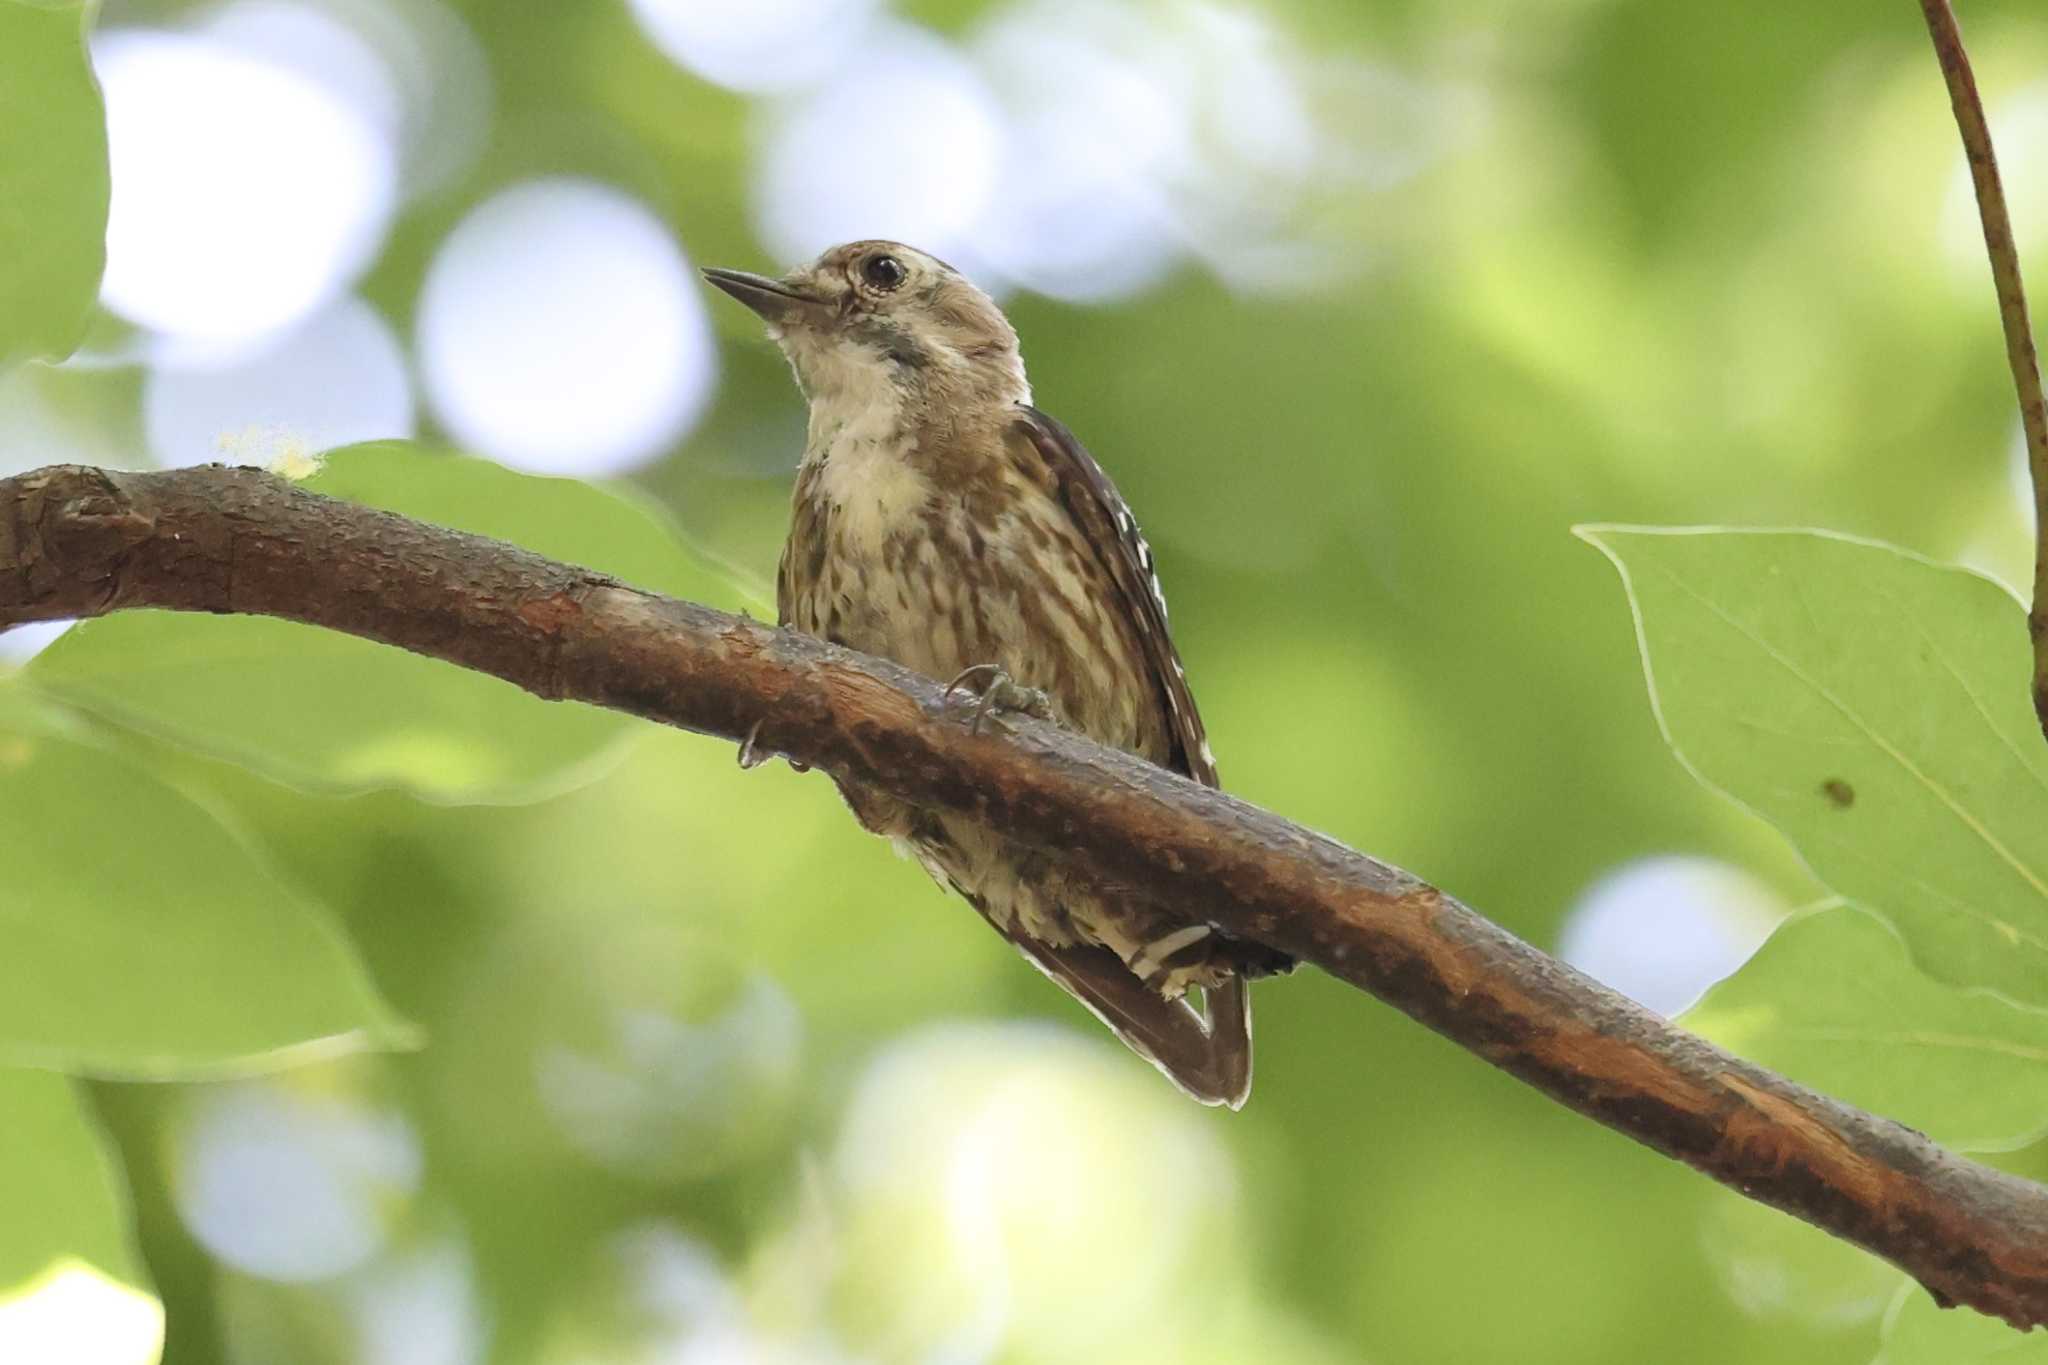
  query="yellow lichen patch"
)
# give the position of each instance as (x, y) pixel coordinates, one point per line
(278, 449)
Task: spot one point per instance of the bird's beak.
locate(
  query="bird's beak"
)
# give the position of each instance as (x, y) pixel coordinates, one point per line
(772, 299)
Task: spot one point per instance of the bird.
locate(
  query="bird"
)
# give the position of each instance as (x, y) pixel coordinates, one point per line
(940, 520)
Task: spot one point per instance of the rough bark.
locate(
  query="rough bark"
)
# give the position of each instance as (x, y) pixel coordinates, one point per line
(82, 542)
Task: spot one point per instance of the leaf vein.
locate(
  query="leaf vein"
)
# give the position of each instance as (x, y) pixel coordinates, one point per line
(1884, 746)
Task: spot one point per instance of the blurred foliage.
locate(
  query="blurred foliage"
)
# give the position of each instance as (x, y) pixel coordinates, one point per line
(63, 1195)
(709, 1071)
(228, 966)
(249, 690)
(53, 181)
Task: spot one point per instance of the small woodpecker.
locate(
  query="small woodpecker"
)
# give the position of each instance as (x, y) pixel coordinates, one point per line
(942, 521)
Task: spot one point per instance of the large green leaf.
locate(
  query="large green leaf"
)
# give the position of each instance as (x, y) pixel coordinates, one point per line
(327, 711)
(1833, 1001)
(1917, 1332)
(53, 180)
(71, 1287)
(140, 938)
(1873, 706)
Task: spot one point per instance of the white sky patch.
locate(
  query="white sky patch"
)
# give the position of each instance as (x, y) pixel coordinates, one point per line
(19, 644)
(74, 1313)
(903, 142)
(561, 331)
(291, 1187)
(337, 378)
(1661, 930)
(755, 44)
(244, 194)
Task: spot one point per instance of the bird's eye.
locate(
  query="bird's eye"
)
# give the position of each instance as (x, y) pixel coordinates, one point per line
(883, 272)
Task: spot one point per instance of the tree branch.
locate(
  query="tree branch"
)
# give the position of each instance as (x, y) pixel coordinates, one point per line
(83, 542)
(2012, 307)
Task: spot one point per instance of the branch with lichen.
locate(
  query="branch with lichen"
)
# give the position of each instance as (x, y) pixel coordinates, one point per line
(76, 541)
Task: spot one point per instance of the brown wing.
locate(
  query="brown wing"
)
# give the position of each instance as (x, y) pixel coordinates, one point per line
(1210, 1058)
(1103, 516)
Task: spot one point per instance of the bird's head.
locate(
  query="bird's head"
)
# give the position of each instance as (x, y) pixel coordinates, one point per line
(877, 318)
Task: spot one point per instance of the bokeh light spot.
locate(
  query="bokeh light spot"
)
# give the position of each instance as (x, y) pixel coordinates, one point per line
(669, 1094)
(1082, 216)
(2019, 129)
(1020, 1187)
(291, 1187)
(561, 332)
(1661, 930)
(312, 42)
(417, 1305)
(903, 143)
(755, 44)
(74, 1313)
(337, 378)
(244, 194)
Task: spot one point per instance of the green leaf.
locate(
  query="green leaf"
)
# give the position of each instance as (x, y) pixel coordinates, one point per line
(140, 938)
(1916, 1332)
(67, 1271)
(326, 711)
(53, 181)
(1833, 1001)
(1874, 707)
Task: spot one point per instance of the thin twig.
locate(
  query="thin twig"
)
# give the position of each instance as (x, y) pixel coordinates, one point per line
(82, 542)
(2012, 307)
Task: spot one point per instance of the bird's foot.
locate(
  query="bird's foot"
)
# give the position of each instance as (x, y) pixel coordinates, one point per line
(748, 758)
(751, 757)
(1000, 692)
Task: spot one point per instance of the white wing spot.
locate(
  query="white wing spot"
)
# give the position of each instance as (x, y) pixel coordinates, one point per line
(1158, 594)
(1208, 754)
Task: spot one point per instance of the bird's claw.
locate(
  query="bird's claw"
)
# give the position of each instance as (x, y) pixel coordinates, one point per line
(1000, 693)
(748, 758)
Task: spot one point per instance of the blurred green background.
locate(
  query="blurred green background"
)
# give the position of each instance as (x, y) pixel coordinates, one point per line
(1364, 305)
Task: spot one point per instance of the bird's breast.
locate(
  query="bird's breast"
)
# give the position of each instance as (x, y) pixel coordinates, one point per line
(861, 536)
(869, 490)
(945, 564)
(883, 556)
